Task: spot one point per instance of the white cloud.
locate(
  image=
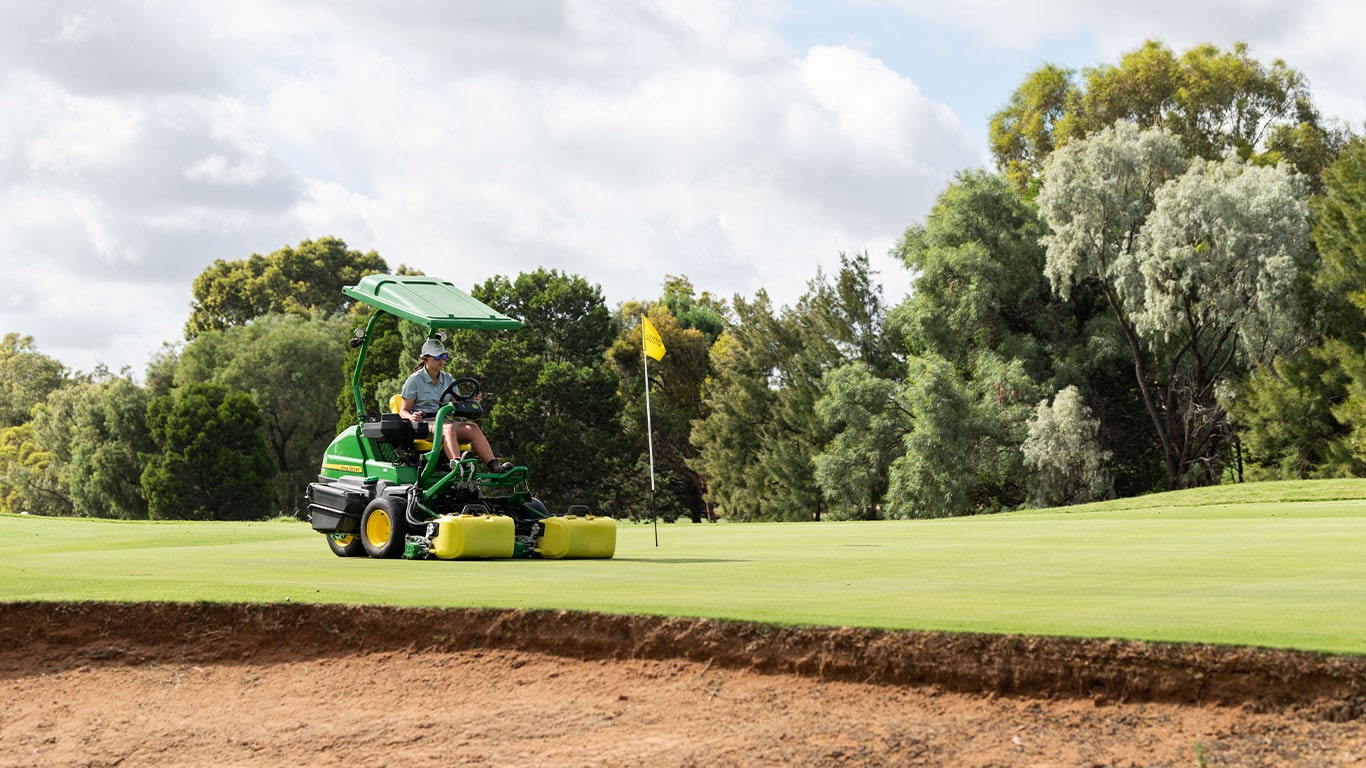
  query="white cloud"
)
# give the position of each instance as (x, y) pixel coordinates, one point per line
(50, 131)
(143, 138)
(1320, 38)
(79, 27)
(639, 145)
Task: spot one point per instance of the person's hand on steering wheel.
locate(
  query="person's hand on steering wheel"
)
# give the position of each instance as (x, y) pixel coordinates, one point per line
(464, 388)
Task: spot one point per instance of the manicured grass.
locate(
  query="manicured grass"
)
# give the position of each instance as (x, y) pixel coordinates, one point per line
(1340, 489)
(1238, 565)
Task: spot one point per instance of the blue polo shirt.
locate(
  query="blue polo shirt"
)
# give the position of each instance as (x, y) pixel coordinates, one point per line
(420, 389)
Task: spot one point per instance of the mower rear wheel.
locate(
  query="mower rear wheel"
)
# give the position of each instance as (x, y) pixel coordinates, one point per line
(383, 528)
(346, 546)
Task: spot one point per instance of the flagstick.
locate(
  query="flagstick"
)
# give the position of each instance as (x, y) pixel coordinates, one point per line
(650, 438)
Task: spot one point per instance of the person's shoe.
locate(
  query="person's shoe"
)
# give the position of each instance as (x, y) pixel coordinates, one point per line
(499, 467)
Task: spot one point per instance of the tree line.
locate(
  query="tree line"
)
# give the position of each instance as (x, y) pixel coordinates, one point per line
(1161, 285)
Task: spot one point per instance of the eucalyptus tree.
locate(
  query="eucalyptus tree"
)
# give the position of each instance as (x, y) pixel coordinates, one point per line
(936, 442)
(1212, 100)
(1198, 262)
(290, 366)
(978, 331)
(794, 435)
(94, 435)
(754, 444)
(689, 324)
(291, 280)
(29, 473)
(739, 397)
(31, 480)
(27, 376)
(761, 436)
(111, 437)
(1064, 453)
(81, 451)
(550, 399)
(703, 312)
(675, 401)
(962, 453)
(867, 419)
(979, 281)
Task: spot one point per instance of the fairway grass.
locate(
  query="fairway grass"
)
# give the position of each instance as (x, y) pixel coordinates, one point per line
(1247, 568)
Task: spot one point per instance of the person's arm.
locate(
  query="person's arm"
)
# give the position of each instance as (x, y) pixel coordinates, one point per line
(409, 394)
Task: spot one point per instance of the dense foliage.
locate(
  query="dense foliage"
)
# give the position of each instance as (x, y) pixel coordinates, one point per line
(1209, 99)
(1197, 261)
(26, 378)
(675, 402)
(212, 463)
(551, 401)
(291, 366)
(297, 281)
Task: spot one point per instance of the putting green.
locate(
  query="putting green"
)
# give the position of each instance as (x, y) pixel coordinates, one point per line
(1280, 574)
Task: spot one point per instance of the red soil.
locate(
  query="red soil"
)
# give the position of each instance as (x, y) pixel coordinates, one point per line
(185, 685)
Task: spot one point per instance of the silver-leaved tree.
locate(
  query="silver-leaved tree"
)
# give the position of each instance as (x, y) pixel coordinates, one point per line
(1197, 261)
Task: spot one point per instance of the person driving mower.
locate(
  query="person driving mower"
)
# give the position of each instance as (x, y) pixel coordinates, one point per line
(421, 398)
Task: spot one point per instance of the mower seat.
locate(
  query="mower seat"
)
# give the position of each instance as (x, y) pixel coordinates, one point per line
(395, 403)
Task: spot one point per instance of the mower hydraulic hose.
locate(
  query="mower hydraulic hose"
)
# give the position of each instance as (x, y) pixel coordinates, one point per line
(414, 503)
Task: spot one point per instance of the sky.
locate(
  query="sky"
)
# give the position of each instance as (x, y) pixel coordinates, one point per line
(745, 145)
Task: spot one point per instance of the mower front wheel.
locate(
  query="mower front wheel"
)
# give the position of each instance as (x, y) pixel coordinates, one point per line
(345, 546)
(383, 527)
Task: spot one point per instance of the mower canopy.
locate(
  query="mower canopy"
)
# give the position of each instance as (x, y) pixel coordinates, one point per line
(428, 301)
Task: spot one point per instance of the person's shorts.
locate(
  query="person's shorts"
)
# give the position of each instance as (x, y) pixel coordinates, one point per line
(422, 429)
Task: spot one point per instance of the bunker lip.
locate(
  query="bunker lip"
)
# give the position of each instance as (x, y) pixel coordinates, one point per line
(38, 638)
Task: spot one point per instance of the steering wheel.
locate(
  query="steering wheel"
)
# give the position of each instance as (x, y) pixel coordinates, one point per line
(464, 388)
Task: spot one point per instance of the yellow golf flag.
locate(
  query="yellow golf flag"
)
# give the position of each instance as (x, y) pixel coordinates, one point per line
(654, 346)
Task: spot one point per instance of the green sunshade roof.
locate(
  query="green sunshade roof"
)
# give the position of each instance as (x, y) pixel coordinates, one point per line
(428, 301)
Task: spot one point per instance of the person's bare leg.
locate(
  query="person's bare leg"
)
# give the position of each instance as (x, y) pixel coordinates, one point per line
(467, 432)
(449, 445)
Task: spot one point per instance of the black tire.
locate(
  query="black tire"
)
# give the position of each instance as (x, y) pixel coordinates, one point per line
(537, 507)
(348, 545)
(383, 528)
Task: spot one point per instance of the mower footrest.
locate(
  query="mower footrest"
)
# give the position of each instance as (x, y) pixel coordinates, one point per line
(473, 537)
(577, 537)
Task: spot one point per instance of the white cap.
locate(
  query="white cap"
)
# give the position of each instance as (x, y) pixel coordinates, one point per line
(433, 348)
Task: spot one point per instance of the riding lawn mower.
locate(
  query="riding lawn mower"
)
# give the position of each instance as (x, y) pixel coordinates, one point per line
(383, 491)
